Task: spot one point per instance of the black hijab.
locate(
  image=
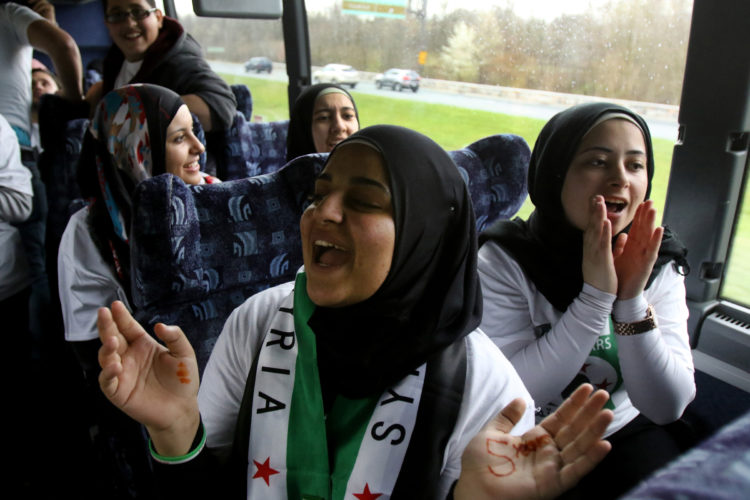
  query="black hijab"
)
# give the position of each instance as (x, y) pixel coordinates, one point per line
(299, 140)
(431, 295)
(547, 247)
(125, 144)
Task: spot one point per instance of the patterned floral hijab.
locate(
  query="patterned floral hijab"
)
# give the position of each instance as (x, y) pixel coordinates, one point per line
(130, 129)
(125, 144)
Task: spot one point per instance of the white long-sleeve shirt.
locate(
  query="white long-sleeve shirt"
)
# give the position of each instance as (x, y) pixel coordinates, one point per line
(491, 383)
(553, 352)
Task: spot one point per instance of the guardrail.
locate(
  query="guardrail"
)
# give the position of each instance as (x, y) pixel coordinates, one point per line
(653, 111)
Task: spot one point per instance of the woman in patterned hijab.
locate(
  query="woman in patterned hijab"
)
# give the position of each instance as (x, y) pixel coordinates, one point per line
(133, 136)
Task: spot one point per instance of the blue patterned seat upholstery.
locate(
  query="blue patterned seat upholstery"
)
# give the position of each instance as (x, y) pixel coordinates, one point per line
(244, 100)
(200, 251)
(495, 169)
(253, 148)
(717, 469)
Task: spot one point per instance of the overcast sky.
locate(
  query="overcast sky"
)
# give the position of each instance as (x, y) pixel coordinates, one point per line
(544, 9)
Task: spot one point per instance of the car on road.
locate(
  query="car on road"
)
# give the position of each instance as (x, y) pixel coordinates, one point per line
(342, 74)
(258, 64)
(398, 79)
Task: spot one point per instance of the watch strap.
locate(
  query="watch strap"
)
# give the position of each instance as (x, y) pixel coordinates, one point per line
(637, 327)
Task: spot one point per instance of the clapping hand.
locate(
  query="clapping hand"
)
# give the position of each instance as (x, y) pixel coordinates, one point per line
(640, 248)
(44, 9)
(598, 259)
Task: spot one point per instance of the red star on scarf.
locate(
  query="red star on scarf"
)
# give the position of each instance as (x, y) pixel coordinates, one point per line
(603, 384)
(366, 495)
(585, 367)
(264, 470)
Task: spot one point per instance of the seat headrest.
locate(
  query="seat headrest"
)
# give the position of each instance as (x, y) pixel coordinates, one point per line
(197, 252)
(253, 148)
(495, 169)
(244, 100)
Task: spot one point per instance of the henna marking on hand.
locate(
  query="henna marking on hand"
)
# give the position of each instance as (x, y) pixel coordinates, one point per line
(183, 373)
(510, 461)
(528, 447)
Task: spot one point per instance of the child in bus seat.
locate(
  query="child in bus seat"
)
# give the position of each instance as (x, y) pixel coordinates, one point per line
(322, 116)
(591, 289)
(138, 131)
(364, 377)
(152, 48)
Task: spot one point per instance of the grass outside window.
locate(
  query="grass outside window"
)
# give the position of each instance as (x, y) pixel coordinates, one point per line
(455, 128)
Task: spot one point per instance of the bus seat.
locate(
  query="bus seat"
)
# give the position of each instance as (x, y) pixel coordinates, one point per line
(495, 168)
(90, 77)
(716, 468)
(61, 127)
(244, 100)
(199, 251)
(253, 148)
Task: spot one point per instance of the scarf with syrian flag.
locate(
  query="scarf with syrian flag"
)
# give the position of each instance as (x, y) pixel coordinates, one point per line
(290, 434)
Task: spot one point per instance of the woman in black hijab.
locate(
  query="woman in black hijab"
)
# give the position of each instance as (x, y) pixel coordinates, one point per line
(367, 375)
(322, 116)
(589, 289)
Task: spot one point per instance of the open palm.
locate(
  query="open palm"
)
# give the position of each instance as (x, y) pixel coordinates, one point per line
(544, 462)
(153, 384)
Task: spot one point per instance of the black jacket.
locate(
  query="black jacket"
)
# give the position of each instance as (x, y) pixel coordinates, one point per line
(175, 60)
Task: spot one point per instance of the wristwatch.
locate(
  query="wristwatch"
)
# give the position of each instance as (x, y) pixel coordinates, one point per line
(642, 326)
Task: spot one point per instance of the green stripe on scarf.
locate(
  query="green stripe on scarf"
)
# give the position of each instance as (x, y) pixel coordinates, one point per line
(346, 426)
(310, 432)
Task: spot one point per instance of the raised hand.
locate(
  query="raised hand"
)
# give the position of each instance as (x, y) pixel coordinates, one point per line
(640, 248)
(44, 9)
(153, 384)
(544, 462)
(598, 263)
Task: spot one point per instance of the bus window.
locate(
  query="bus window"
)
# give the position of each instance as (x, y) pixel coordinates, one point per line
(468, 69)
(736, 286)
(507, 66)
